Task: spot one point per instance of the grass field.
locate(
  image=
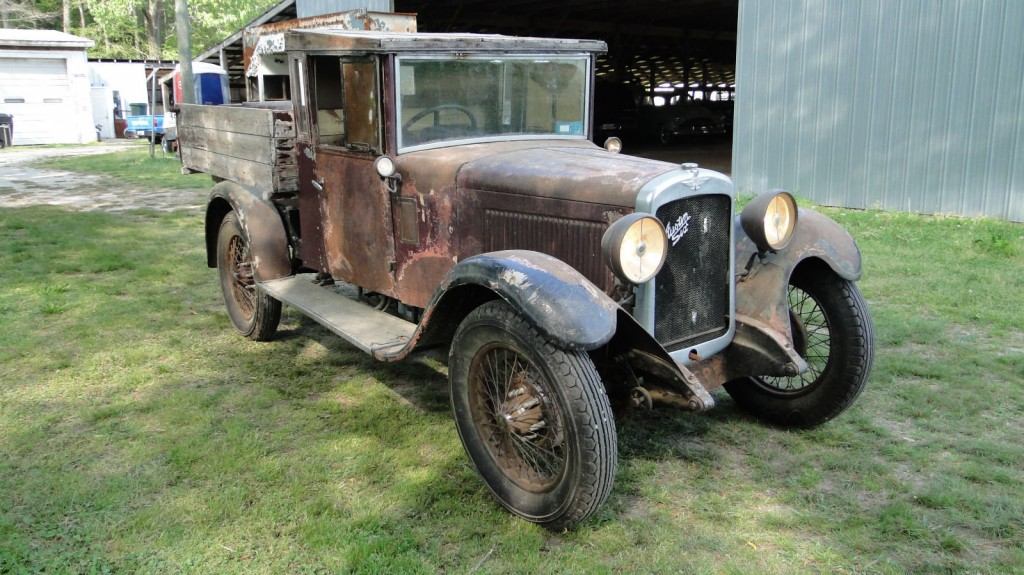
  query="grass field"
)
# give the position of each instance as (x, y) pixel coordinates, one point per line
(132, 167)
(140, 435)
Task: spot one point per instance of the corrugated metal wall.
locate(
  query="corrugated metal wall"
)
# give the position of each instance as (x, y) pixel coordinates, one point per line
(913, 105)
(307, 8)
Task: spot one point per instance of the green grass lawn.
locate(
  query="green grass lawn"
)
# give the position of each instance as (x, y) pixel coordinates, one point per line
(139, 434)
(132, 166)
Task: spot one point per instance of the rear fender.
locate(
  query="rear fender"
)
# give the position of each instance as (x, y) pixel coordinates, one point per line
(261, 224)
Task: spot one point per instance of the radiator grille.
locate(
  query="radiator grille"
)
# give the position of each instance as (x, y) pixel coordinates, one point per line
(575, 242)
(691, 297)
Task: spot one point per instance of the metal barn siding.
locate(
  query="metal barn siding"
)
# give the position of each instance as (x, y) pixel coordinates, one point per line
(914, 105)
(307, 8)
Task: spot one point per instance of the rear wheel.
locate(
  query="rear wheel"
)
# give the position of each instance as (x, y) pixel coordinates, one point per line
(534, 419)
(832, 331)
(253, 313)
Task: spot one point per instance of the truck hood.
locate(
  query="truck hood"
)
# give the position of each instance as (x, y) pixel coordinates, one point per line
(570, 172)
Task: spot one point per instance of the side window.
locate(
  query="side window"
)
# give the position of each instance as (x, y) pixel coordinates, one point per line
(300, 103)
(327, 107)
(362, 119)
(345, 108)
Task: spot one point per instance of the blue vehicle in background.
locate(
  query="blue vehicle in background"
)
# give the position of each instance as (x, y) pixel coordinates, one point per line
(139, 123)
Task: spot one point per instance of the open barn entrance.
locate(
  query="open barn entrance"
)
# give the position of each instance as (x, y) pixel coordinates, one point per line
(667, 84)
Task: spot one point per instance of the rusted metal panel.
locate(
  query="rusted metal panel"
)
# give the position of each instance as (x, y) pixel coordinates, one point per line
(579, 173)
(311, 215)
(357, 221)
(334, 39)
(268, 39)
(573, 235)
(513, 183)
(261, 223)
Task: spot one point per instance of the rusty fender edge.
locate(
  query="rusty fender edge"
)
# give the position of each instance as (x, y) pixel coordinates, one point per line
(555, 298)
(261, 224)
(764, 341)
(560, 302)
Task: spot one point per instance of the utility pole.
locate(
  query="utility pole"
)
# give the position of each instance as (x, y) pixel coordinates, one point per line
(184, 28)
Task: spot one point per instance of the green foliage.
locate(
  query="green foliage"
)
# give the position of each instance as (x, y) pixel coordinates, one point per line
(118, 27)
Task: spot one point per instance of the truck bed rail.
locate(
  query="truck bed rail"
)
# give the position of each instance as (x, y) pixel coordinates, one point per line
(254, 146)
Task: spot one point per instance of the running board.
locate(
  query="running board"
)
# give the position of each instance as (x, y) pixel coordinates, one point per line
(368, 329)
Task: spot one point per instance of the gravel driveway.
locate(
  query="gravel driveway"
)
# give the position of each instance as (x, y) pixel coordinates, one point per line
(22, 185)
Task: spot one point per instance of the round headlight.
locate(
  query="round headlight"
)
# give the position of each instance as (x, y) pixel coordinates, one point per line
(635, 247)
(770, 219)
(385, 166)
(613, 145)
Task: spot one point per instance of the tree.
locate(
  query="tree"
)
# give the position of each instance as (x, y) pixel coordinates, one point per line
(21, 14)
(153, 15)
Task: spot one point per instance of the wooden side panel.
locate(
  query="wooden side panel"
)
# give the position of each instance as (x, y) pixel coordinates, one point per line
(238, 119)
(252, 146)
(245, 172)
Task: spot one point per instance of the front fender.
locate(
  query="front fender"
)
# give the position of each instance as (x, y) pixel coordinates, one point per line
(761, 293)
(261, 223)
(555, 298)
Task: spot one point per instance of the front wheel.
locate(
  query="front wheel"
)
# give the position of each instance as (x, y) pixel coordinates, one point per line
(832, 331)
(253, 313)
(534, 419)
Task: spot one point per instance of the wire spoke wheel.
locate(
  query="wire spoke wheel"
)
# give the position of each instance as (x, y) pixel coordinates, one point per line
(833, 333)
(242, 285)
(812, 338)
(533, 418)
(253, 313)
(514, 412)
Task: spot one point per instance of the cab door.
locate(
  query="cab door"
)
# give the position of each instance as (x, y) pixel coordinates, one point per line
(354, 205)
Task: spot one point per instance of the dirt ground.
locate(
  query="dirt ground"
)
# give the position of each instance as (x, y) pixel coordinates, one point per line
(21, 184)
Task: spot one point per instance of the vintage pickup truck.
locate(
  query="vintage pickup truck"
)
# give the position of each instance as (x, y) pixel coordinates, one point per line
(439, 191)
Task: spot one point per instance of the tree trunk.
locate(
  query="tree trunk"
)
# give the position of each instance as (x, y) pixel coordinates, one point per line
(154, 28)
(66, 16)
(81, 14)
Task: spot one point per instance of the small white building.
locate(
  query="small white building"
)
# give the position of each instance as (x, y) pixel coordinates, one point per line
(44, 84)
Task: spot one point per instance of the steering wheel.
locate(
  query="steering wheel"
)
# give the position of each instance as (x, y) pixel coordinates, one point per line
(435, 109)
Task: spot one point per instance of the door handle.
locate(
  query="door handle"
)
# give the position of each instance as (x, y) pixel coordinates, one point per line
(318, 185)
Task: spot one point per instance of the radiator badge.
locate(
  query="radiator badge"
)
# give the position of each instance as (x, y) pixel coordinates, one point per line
(677, 229)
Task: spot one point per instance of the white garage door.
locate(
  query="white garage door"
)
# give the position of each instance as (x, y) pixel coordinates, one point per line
(37, 92)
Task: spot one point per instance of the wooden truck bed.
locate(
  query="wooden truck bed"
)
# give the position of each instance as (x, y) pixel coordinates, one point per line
(254, 146)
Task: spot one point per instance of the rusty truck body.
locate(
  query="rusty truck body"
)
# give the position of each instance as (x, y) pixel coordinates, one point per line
(426, 191)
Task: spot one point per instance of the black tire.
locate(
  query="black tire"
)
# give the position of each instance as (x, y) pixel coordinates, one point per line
(835, 379)
(558, 406)
(253, 313)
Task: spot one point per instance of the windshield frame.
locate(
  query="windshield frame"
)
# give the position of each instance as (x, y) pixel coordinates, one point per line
(587, 57)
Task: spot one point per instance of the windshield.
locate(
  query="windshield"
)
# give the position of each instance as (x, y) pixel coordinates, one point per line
(444, 99)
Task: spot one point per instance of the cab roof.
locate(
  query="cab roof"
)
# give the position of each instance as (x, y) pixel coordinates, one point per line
(336, 39)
